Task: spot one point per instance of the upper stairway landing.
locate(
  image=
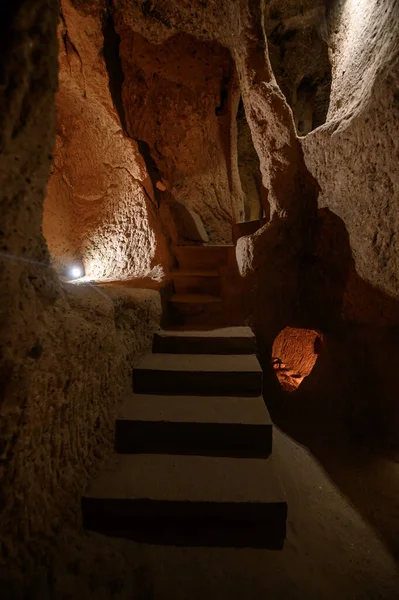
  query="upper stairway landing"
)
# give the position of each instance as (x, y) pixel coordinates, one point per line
(199, 291)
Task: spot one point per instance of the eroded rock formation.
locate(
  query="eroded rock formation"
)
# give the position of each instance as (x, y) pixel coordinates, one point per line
(146, 117)
(299, 52)
(177, 99)
(100, 208)
(65, 352)
(354, 156)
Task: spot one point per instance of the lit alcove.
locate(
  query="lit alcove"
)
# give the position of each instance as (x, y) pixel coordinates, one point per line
(294, 354)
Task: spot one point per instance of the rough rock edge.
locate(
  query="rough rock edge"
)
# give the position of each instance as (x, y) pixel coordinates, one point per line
(66, 352)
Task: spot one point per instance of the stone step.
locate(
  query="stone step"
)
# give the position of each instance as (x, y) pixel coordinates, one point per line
(188, 500)
(225, 340)
(202, 257)
(187, 300)
(199, 375)
(196, 281)
(220, 426)
(195, 309)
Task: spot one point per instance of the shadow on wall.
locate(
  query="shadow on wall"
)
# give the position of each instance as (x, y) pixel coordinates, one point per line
(347, 410)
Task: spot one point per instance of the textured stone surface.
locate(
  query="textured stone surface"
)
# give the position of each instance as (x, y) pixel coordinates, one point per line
(294, 354)
(173, 99)
(66, 352)
(238, 27)
(327, 259)
(62, 397)
(290, 188)
(298, 49)
(256, 195)
(355, 155)
(184, 224)
(100, 207)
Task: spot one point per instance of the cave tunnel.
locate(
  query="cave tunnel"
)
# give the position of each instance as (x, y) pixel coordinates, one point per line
(200, 299)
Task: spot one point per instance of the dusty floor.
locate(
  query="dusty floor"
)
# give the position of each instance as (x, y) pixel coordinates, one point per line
(331, 551)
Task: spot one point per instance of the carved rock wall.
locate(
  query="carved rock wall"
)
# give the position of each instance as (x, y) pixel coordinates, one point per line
(333, 266)
(298, 48)
(176, 97)
(66, 352)
(237, 27)
(354, 156)
(100, 208)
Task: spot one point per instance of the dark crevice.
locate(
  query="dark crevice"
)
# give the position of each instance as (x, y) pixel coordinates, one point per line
(116, 78)
(151, 165)
(224, 94)
(114, 64)
(300, 61)
(312, 102)
(68, 43)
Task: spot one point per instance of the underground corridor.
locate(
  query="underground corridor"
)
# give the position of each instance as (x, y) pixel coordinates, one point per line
(199, 317)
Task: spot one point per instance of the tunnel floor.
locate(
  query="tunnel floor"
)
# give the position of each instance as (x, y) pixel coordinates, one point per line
(331, 552)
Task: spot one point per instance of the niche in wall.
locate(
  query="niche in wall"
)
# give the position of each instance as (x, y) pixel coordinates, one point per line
(294, 354)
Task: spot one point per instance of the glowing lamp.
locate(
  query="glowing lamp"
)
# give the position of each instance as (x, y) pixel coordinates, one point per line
(76, 272)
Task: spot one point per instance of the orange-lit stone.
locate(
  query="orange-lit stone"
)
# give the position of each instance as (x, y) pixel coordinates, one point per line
(294, 355)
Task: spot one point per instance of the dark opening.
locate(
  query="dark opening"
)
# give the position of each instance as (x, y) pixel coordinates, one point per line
(300, 60)
(312, 102)
(114, 65)
(256, 203)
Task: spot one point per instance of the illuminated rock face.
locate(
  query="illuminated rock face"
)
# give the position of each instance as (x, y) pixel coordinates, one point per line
(354, 159)
(327, 261)
(177, 98)
(100, 208)
(256, 195)
(101, 200)
(354, 155)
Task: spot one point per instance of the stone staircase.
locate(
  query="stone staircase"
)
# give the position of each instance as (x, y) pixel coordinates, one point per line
(193, 463)
(198, 300)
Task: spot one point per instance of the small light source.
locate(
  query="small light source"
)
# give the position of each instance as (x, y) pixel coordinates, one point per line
(76, 272)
